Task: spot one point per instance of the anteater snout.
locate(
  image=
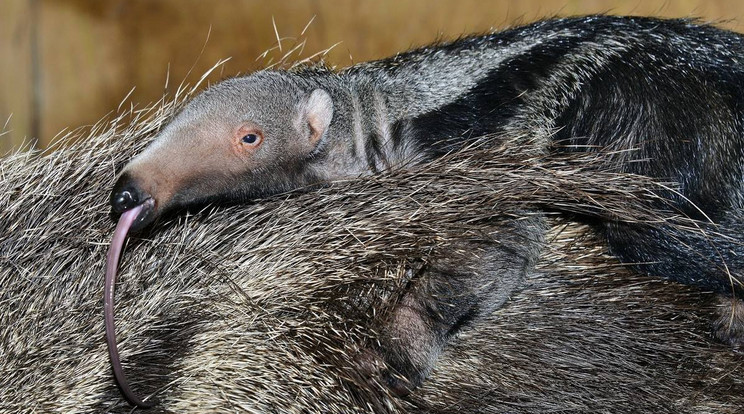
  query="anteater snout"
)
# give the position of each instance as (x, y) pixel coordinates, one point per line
(127, 194)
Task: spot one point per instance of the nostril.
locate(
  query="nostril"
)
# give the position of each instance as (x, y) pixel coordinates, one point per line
(124, 200)
(126, 194)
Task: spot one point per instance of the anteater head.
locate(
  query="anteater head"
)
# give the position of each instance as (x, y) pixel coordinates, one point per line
(242, 138)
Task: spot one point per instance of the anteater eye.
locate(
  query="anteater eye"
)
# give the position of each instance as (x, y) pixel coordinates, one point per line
(250, 138)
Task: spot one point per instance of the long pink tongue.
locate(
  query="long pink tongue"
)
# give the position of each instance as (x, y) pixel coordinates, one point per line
(112, 264)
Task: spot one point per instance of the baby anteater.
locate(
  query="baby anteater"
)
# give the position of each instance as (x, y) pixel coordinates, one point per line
(664, 97)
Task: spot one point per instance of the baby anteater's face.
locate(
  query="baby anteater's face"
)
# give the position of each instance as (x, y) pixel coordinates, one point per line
(242, 138)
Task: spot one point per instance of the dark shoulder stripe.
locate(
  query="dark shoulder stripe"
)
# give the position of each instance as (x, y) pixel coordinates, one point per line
(372, 151)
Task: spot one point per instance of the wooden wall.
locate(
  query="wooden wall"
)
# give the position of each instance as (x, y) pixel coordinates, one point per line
(67, 63)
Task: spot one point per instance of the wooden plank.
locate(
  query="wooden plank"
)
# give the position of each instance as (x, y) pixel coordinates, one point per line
(91, 53)
(82, 64)
(15, 73)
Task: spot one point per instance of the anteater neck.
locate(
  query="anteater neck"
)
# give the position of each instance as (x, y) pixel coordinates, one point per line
(429, 101)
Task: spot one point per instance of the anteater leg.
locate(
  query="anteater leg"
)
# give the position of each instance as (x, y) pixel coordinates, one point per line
(729, 326)
(464, 282)
(709, 256)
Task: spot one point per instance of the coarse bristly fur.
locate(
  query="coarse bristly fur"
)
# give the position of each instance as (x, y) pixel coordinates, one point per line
(264, 307)
(662, 97)
(272, 306)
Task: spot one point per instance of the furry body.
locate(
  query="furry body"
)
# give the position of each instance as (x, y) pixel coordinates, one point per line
(665, 95)
(218, 314)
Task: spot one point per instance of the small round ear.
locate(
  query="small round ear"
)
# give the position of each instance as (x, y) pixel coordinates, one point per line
(318, 115)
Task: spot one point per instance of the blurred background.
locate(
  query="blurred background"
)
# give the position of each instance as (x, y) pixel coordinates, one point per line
(67, 63)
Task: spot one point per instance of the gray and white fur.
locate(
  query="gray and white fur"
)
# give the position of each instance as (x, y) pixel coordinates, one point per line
(216, 314)
(665, 96)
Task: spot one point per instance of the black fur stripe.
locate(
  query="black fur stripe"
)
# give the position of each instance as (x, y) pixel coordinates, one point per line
(492, 102)
(373, 151)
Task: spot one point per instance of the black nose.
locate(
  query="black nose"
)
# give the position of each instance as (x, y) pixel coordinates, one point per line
(126, 194)
(123, 201)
